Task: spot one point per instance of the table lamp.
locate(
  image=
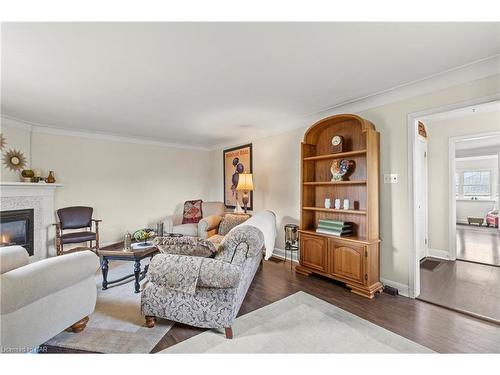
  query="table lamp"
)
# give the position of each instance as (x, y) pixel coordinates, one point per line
(245, 184)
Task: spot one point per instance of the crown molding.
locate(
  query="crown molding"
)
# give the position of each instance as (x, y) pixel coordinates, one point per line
(15, 122)
(476, 70)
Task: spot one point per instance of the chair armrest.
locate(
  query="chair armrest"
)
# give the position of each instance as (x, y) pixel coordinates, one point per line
(12, 257)
(242, 242)
(207, 224)
(171, 221)
(185, 246)
(27, 284)
(96, 220)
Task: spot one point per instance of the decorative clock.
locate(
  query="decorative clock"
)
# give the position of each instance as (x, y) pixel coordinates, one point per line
(337, 144)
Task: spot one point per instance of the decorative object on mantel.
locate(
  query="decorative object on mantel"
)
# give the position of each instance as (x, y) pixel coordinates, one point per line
(337, 144)
(3, 142)
(340, 168)
(27, 175)
(14, 160)
(50, 178)
(245, 184)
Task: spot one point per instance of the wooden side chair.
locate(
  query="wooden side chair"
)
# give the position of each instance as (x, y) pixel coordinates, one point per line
(77, 217)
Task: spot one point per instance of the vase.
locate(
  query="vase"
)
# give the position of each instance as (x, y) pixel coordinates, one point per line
(50, 178)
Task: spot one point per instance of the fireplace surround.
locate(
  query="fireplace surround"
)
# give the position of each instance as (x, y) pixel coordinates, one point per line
(39, 198)
(16, 228)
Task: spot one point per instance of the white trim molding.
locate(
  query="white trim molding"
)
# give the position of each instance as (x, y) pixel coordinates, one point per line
(14, 122)
(280, 253)
(402, 288)
(438, 253)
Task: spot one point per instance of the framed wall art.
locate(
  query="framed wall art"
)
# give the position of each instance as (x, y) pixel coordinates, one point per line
(236, 160)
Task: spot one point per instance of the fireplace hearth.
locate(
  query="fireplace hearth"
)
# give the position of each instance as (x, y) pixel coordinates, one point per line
(16, 228)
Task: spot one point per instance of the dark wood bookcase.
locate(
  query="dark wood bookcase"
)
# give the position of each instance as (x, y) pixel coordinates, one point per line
(354, 260)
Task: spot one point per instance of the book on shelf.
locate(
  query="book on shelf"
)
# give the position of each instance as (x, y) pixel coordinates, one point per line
(343, 233)
(334, 224)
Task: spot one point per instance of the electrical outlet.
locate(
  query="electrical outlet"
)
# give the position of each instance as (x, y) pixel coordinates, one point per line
(391, 178)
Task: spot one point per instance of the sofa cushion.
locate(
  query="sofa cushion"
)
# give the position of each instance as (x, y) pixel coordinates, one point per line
(192, 212)
(229, 221)
(186, 229)
(185, 246)
(218, 274)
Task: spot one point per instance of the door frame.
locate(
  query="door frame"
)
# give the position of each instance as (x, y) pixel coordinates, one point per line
(412, 128)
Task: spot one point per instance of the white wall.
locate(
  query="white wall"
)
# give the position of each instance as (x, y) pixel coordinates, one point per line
(439, 133)
(129, 185)
(277, 170)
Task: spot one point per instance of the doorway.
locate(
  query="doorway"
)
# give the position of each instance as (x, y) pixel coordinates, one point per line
(455, 199)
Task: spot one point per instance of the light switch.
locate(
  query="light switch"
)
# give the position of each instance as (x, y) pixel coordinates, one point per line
(391, 178)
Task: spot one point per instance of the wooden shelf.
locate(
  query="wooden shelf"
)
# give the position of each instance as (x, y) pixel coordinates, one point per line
(335, 211)
(346, 238)
(336, 156)
(319, 183)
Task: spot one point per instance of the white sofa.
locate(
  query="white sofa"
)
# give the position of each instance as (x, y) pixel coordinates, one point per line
(41, 299)
(212, 213)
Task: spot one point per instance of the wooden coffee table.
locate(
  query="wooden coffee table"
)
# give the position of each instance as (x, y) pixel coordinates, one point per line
(116, 252)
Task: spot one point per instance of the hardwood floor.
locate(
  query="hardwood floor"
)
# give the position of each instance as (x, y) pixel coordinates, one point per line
(469, 287)
(437, 328)
(478, 244)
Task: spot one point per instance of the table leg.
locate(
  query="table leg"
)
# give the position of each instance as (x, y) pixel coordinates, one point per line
(137, 274)
(104, 268)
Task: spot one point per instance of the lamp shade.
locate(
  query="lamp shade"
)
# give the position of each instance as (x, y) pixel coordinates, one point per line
(245, 182)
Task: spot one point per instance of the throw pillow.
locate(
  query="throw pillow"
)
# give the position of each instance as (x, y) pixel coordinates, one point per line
(229, 221)
(192, 212)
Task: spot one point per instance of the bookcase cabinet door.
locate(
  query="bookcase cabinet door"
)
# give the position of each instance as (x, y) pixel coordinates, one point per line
(347, 260)
(313, 250)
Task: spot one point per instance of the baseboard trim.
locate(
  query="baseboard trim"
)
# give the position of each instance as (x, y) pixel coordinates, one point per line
(438, 253)
(402, 288)
(280, 253)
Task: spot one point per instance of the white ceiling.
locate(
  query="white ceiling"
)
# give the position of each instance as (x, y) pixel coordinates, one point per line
(205, 84)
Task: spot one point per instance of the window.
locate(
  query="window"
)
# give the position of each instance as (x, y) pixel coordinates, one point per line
(474, 183)
(477, 183)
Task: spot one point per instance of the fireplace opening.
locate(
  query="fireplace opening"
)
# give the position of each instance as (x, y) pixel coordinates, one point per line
(16, 228)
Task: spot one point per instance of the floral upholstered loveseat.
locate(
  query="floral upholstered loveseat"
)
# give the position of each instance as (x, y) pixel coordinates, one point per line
(195, 282)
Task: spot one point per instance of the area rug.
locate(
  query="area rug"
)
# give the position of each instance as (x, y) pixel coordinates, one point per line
(300, 323)
(429, 264)
(116, 326)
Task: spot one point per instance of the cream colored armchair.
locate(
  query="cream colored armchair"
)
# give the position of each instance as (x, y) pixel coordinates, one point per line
(41, 299)
(212, 215)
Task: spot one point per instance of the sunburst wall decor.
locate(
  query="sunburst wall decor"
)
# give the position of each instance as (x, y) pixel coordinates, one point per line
(14, 160)
(3, 142)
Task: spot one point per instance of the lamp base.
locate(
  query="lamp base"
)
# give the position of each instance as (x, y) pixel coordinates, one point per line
(245, 199)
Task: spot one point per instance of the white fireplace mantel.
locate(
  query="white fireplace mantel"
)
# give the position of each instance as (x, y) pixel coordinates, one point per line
(40, 198)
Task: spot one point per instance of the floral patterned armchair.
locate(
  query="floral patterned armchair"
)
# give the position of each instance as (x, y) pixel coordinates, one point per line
(195, 283)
